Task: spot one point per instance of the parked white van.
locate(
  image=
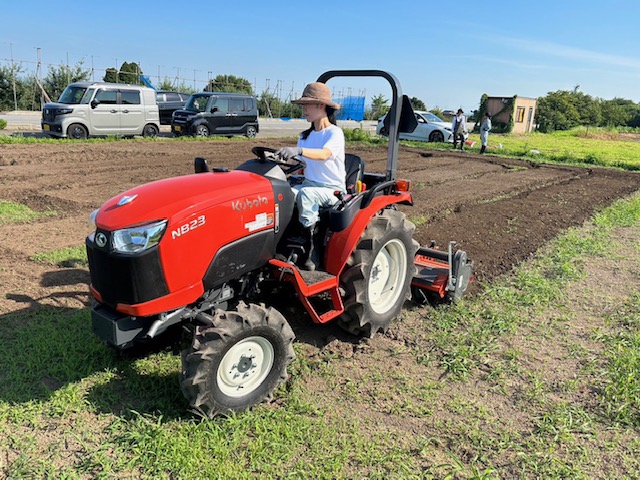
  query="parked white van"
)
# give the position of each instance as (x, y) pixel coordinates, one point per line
(98, 108)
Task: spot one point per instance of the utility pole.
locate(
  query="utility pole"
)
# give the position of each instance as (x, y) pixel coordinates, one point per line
(13, 79)
(39, 66)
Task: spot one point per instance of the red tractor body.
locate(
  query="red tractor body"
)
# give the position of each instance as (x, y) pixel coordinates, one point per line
(209, 249)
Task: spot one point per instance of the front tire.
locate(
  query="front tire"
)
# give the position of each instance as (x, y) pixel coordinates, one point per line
(202, 131)
(436, 136)
(238, 361)
(378, 274)
(77, 131)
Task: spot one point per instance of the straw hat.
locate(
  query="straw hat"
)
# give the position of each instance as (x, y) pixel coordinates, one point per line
(317, 92)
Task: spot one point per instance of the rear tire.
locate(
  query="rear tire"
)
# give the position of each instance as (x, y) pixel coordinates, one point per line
(202, 131)
(378, 274)
(150, 131)
(77, 131)
(238, 361)
(251, 132)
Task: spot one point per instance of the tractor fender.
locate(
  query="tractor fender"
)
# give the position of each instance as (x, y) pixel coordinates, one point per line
(341, 244)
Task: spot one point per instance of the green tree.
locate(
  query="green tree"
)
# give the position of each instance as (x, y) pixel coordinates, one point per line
(167, 84)
(618, 112)
(269, 105)
(8, 76)
(60, 76)
(129, 72)
(229, 83)
(110, 75)
(437, 111)
(417, 104)
(379, 107)
(557, 111)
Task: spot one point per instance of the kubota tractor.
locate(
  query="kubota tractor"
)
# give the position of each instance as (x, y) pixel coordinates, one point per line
(203, 249)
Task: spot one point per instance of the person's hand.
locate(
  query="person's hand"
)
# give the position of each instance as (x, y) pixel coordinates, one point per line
(286, 153)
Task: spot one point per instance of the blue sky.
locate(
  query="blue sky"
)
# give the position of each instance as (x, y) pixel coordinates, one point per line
(445, 53)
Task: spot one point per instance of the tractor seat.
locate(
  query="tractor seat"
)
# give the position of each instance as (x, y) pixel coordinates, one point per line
(354, 167)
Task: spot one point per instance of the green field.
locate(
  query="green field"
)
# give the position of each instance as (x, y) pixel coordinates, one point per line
(537, 376)
(608, 148)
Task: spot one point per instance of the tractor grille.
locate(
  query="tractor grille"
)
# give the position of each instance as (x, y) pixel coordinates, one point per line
(128, 279)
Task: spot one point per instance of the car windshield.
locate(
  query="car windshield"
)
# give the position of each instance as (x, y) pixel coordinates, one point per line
(430, 117)
(74, 95)
(197, 103)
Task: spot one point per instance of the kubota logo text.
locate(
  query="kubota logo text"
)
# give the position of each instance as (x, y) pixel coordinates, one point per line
(248, 203)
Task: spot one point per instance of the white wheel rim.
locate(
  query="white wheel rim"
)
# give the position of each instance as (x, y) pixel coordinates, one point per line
(387, 275)
(245, 366)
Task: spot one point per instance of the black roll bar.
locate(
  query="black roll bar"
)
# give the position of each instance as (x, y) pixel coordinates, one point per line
(393, 115)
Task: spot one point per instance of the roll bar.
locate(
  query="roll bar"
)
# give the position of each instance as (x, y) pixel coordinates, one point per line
(396, 112)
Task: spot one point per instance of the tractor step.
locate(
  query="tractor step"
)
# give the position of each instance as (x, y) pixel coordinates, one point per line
(309, 284)
(313, 277)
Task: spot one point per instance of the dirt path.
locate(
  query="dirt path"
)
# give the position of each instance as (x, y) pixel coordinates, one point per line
(499, 210)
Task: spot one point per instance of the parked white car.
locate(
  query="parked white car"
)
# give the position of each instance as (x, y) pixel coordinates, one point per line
(430, 129)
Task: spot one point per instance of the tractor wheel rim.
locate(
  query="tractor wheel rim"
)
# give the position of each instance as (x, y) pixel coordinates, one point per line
(387, 276)
(245, 366)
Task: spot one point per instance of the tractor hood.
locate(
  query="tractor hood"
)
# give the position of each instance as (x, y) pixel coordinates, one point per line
(175, 199)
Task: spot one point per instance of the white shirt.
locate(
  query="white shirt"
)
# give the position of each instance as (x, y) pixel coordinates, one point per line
(330, 172)
(459, 123)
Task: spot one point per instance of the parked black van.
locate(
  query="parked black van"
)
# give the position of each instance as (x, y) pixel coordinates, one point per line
(168, 102)
(217, 113)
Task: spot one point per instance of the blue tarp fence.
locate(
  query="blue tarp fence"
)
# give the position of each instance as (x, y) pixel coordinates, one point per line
(352, 108)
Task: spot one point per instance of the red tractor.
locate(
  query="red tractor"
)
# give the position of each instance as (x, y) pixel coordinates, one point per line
(204, 249)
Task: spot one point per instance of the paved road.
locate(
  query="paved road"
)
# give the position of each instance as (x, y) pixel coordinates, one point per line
(28, 124)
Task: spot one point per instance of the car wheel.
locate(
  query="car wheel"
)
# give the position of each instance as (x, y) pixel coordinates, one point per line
(436, 136)
(202, 131)
(77, 131)
(150, 130)
(251, 132)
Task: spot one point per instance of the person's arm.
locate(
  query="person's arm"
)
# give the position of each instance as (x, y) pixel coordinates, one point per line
(316, 153)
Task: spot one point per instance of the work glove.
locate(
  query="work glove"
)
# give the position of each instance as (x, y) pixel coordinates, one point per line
(288, 152)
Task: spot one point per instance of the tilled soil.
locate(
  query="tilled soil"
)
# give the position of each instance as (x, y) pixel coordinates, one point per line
(498, 210)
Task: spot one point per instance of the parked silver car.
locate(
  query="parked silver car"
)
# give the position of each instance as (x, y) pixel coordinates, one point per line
(431, 128)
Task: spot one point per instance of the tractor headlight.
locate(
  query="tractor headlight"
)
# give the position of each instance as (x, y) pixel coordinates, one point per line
(138, 239)
(92, 220)
(92, 217)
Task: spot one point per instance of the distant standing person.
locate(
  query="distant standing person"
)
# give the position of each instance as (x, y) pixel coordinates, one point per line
(459, 128)
(485, 128)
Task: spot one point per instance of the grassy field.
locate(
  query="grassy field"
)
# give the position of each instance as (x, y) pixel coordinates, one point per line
(538, 376)
(580, 146)
(70, 408)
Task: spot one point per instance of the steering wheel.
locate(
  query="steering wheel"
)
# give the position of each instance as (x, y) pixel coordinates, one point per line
(266, 154)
